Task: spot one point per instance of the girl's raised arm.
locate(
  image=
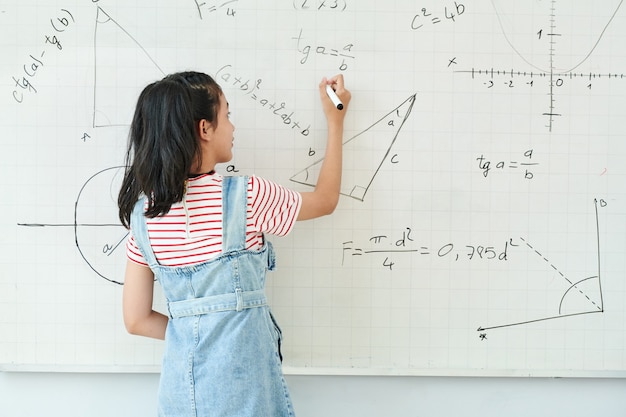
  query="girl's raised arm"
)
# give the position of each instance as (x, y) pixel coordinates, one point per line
(323, 200)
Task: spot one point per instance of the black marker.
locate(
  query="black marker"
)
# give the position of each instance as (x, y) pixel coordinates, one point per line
(333, 97)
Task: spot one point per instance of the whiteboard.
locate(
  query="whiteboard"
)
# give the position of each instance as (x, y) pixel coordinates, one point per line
(482, 224)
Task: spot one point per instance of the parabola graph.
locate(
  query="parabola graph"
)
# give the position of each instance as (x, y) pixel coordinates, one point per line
(551, 69)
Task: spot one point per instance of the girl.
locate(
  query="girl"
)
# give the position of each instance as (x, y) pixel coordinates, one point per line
(202, 236)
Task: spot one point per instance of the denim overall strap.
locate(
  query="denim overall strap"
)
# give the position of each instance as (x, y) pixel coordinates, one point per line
(234, 213)
(234, 194)
(140, 233)
(234, 219)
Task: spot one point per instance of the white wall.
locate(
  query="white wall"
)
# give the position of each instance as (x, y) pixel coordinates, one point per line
(121, 395)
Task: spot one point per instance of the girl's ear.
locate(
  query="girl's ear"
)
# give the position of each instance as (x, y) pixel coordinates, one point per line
(205, 129)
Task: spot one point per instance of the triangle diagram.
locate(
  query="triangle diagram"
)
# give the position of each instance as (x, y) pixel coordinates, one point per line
(364, 153)
(122, 68)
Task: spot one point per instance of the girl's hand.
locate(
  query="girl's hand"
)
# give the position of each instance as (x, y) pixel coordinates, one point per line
(334, 115)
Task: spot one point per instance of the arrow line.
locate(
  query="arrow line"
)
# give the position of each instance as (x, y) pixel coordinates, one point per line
(480, 329)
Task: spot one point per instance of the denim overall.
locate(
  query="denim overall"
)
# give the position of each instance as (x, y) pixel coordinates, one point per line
(222, 345)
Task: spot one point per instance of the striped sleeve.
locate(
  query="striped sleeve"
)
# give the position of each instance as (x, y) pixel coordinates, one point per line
(132, 251)
(274, 208)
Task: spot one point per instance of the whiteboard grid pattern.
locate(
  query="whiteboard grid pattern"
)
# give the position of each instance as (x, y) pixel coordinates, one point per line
(482, 223)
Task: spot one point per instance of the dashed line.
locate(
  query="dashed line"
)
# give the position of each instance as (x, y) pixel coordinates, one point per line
(546, 260)
(559, 272)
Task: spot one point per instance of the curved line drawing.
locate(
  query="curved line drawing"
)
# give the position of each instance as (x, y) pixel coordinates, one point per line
(599, 38)
(368, 150)
(575, 285)
(112, 233)
(108, 249)
(493, 4)
(552, 75)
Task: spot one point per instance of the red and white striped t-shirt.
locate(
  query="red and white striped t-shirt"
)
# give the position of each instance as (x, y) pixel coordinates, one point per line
(272, 209)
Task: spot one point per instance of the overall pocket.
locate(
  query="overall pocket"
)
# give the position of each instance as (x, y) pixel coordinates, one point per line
(278, 334)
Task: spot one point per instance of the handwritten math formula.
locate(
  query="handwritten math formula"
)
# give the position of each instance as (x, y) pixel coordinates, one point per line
(341, 53)
(205, 8)
(252, 88)
(524, 164)
(428, 17)
(333, 5)
(24, 83)
(403, 244)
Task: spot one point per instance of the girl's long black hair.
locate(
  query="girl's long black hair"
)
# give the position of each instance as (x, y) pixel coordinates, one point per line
(163, 145)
